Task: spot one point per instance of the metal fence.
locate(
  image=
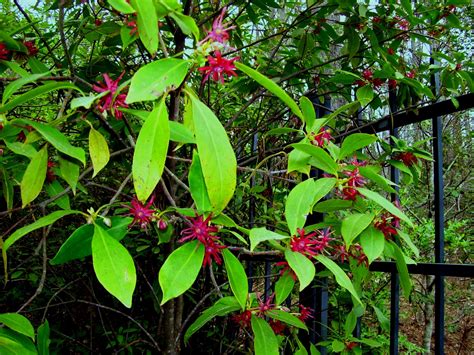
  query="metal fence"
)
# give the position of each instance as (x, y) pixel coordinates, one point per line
(317, 296)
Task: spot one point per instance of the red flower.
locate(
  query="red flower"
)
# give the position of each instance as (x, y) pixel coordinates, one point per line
(391, 51)
(355, 179)
(286, 268)
(264, 306)
(357, 162)
(322, 138)
(133, 27)
(50, 175)
(219, 33)
(408, 158)
(277, 326)
(97, 22)
(112, 101)
(212, 251)
(142, 214)
(243, 319)
(350, 193)
(411, 74)
(218, 67)
(305, 313)
(4, 52)
(305, 244)
(367, 74)
(392, 84)
(341, 252)
(30, 46)
(360, 83)
(385, 226)
(199, 229)
(377, 82)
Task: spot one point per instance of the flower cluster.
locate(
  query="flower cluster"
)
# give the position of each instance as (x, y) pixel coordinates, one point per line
(388, 223)
(285, 267)
(142, 214)
(310, 244)
(408, 158)
(4, 52)
(355, 179)
(369, 79)
(31, 51)
(320, 139)
(50, 175)
(201, 230)
(354, 252)
(305, 313)
(219, 32)
(243, 319)
(112, 100)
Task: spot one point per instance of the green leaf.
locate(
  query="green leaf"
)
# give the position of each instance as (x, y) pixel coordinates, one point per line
(33, 93)
(365, 95)
(321, 159)
(18, 323)
(197, 185)
(272, 87)
(147, 23)
(43, 339)
(258, 235)
(287, 318)
(13, 87)
(283, 287)
(341, 278)
(13, 343)
(218, 162)
(265, 341)
(99, 150)
(180, 270)
(57, 139)
(302, 266)
(353, 225)
(372, 241)
(40, 223)
(7, 188)
(308, 111)
(122, 6)
(54, 188)
(113, 266)
(406, 238)
(355, 142)
(402, 269)
(382, 318)
(69, 172)
(298, 204)
(180, 133)
(79, 243)
(332, 205)
(337, 346)
(370, 172)
(222, 307)
(323, 186)
(24, 149)
(153, 79)
(383, 202)
(186, 24)
(237, 277)
(150, 152)
(86, 101)
(34, 176)
(298, 161)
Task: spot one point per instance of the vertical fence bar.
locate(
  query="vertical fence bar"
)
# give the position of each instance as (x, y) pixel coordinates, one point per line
(394, 278)
(439, 221)
(252, 213)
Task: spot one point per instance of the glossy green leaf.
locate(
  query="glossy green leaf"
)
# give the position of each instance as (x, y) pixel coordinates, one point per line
(113, 266)
(186, 24)
(218, 162)
(24, 149)
(332, 205)
(180, 270)
(355, 142)
(383, 202)
(43, 340)
(265, 340)
(353, 225)
(40, 223)
(99, 150)
(237, 277)
(13, 87)
(180, 133)
(302, 266)
(283, 287)
(287, 318)
(57, 139)
(299, 204)
(341, 278)
(372, 241)
(34, 176)
(259, 235)
(222, 307)
(86, 101)
(152, 80)
(406, 238)
(298, 161)
(370, 172)
(18, 323)
(13, 343)
(122, 6)
(33, 93)
(321, 159)
(402, 269)
(150, 152)
(69, 172)
(323, 186)
(271, 86)
(365, 94)
(79, 243)
(197, 185)
(147, 23)
(7, 188)
(308, 111)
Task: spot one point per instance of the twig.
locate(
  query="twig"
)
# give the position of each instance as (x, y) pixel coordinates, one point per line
(214, 282)
(178, 181)
(117, 194)
(63, 37)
